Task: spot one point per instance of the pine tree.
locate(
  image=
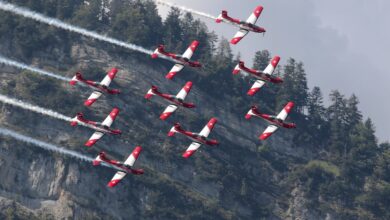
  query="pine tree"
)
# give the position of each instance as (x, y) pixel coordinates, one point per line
(315, 105)
(261, 59)
(354, 116)
(338, 124)
(294, 87)
(173, 32)
(137, 22)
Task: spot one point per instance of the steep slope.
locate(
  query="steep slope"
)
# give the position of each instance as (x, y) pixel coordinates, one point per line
(243, 178)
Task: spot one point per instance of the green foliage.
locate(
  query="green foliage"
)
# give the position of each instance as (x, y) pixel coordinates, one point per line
(137, 22)
(323, 165)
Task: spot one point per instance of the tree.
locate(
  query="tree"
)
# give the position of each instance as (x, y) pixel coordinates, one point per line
(261, 59)
(294, 87)
(87, 16)
(173, 32)
(338, 139)
(315, 105)
(354, 115)
(137, 22)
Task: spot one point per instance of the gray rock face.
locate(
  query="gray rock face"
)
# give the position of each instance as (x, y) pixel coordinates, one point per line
(209, 185)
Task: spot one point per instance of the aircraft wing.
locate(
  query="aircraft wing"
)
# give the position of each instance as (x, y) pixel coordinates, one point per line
(272, 65)
(116, 179)
(256, 87)
(111, 117)
(109, 77)
(168, 112)
(239, 35)
(175, 69)
(129, 161)
(191, 149)
(94, 138)
(268, 132)
(133, 156)
(255, 15)
(92, 98)
(284, 113)
(191, 49)
(208, 128)
(184, 91)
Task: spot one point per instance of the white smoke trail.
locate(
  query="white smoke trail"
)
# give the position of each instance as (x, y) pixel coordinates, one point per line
(60, 24)
(37, 109)
(192, 11)
(33, 108)
(44, 145)
(19, 65)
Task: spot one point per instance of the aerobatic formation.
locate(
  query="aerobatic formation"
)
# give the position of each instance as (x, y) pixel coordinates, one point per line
(176, 101)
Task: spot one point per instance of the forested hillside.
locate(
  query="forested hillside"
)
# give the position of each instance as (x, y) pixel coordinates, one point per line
(330, 167)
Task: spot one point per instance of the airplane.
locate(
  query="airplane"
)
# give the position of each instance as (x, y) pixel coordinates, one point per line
(176, 101)
(197, 138)
(123, 168)
(180, 60)
(100, 128)
(99, 87)
(276, 121)
(245, 26)
(261, 76)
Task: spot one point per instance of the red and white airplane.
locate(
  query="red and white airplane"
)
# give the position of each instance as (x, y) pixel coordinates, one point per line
(276, 121)
(181, 60)
(100, 128)
(123, 168)
(261, 76)
(245, 26)
(99, 87)
(197, 138)
(176, 101)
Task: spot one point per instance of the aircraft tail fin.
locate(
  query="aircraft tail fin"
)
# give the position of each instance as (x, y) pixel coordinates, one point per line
(174, 130)
(251, 112)
(152, 91)
(76, 78)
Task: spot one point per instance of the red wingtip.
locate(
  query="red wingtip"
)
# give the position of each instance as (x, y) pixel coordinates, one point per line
(188, 154)
(248, 116)
(114, 112)
(89, 102)
(165, 115)
(189, 84)
(91, 142)
(213, 120)
(275, 61)
(170, 75)
(112, 73)
(113, 183)
(136, 152)
(264, 136)
(154, 56)
(95, 162)
(235, 40)
(258, 10)
(148, 96)
(253, 91)
(171, 134)
(289, 107)
(73, 82)
(194, 44)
